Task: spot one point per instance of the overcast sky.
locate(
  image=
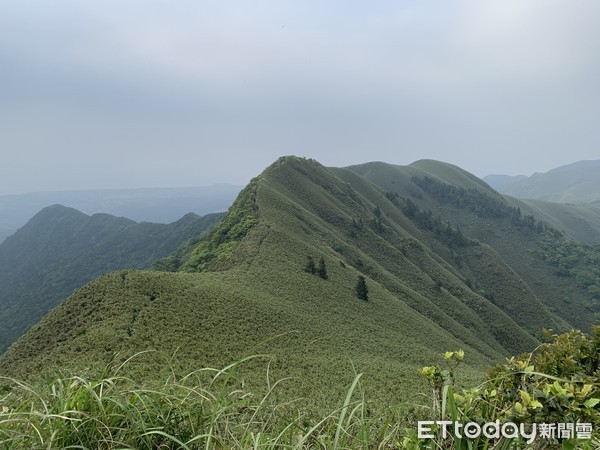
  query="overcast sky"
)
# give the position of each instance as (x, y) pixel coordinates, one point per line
(139, 93)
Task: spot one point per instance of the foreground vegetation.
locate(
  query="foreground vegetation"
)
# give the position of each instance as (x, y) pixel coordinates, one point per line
(556, 388)
(210, 408)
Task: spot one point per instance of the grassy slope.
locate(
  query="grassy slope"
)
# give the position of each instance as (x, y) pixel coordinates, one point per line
(580, 222)
(61, 249)
(535, 281)
(419, 303)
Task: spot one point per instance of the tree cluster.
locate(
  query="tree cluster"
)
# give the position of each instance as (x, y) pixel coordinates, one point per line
(320, 270)
(361, 290)
(577, 261)
(470, 199)
(480, 203)
(444, 231)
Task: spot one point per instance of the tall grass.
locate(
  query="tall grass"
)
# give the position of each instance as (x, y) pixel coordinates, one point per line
(211, 409)
(205, 409)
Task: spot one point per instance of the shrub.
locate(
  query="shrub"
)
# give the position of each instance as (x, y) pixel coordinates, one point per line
(322, 269)
(310, 266)
(362, 291)
(556, 384)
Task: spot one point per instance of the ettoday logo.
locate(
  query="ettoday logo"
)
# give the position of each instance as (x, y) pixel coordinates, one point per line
(507, 430)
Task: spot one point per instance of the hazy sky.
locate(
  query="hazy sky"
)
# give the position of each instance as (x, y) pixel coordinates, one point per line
(132, 93)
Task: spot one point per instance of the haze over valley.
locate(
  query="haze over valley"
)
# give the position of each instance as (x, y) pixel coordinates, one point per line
(158, 205)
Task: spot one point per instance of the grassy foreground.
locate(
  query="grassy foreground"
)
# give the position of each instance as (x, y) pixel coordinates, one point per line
(210, 408)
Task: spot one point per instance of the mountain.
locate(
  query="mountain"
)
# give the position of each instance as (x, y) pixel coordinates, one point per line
(516, 230)
(5, 232)
(61, 249)
(580, 222)
(499, 181)
(160, 205)
(448, 262)
(574, 183)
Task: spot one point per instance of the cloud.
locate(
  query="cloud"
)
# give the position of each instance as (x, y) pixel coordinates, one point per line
(207, 83)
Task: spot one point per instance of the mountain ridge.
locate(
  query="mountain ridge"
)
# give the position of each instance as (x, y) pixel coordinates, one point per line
(61, 248)
(433, 284)
(157, 205)
(577, 183)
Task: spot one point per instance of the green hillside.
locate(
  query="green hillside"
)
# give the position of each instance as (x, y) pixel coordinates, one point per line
(514, 229)
(248, 287)
(61, 249)
(580, 222)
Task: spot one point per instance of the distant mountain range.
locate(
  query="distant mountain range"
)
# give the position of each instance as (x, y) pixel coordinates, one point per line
(60, 249)
(574, 183)
(500, 181)
(159, 205)
(448, 262)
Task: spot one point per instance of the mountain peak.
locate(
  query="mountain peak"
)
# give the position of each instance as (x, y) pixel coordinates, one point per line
(58, 211)
(290, 161)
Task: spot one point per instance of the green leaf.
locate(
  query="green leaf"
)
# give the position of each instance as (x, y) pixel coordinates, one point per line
(528, 369)
(428, 371)
(586, 389)
(520, 408)
(535, 404)
(525, 397)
